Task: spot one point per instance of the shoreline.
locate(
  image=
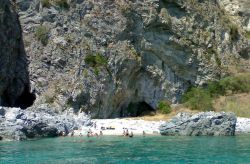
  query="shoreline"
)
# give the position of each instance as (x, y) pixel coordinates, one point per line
(116, 127)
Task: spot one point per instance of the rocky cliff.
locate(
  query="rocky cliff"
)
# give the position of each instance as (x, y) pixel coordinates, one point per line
(14, 77)
(107, 57)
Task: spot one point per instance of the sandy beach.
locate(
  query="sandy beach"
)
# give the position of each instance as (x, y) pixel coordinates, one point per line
(243, 125)
(117, 126)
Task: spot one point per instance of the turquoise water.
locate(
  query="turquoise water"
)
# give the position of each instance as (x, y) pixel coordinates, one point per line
(156, 149)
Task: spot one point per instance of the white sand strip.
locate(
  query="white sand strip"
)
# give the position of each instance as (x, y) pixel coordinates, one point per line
(117, 126)
(243, 125)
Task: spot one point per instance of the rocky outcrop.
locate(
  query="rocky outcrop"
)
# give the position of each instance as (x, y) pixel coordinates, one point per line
(18, 124)
(201, 124)
(154, 50)
(14, 77)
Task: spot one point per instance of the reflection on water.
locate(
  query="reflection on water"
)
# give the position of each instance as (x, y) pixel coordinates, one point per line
(150, 149)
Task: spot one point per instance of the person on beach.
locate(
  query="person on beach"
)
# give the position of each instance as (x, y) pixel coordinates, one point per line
(60, 133)
(95, 125)
(90, 132)
(72, 133)
(101, 133)
(131, 134)
(143, 133)
(127, 133)
(124, 133)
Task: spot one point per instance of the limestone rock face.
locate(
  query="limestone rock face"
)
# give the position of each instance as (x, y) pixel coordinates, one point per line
(201, 124)
(39, 121)
(14, 77)
(155, 50)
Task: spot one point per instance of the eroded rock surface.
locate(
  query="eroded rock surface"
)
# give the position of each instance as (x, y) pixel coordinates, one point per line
(35, 122)
(201, 124)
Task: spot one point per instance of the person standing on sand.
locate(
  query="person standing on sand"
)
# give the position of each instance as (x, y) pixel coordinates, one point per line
(124, 133)
(127, 133)
(131, 134)
(101, 133)
(143, 133)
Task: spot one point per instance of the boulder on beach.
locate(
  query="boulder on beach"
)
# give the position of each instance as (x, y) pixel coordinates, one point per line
(18, 124)
(201, 124)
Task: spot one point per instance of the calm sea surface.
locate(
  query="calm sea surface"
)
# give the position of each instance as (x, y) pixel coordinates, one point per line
(156, 149)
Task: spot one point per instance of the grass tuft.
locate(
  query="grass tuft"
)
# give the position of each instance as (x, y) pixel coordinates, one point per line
(42, 34)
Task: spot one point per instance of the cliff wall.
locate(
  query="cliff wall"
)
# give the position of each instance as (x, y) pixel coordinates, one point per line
(104, 56)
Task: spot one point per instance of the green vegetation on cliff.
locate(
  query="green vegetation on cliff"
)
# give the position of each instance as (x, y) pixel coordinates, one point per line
(201, 98)
(198, 99)
(164, 107)
(96, 61)
(42, 34)
(61, 3)
(248, 34)
(45, 3)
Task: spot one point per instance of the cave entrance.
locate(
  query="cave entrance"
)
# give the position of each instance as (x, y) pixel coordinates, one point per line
(137, 109)
(26, 99)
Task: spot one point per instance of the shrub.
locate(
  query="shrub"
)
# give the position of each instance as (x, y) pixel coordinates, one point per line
(62, 3)
(201, 98)
(42, 34)
(234, 32)
(198, 99)
(45, 3)
(164, 107)
(96, 71)
(90, 60)
(215, 89)
(237, 84)
(248, 34)
(96, 60)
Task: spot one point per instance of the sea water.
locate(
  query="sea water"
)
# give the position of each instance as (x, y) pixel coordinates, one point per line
(149, 149)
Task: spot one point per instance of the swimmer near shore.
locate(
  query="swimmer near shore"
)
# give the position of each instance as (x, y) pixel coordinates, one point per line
(127, 134)
(90, 133)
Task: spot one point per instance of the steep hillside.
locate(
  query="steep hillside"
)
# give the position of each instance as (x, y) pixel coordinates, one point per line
(109, 57)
